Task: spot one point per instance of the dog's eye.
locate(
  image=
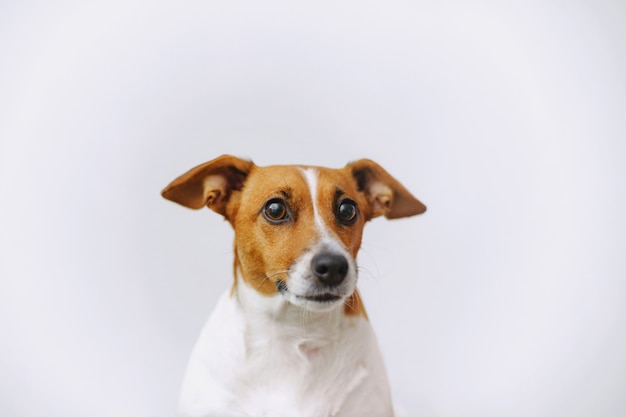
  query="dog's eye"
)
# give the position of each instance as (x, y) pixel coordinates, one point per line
(347, 212)
(276, 211)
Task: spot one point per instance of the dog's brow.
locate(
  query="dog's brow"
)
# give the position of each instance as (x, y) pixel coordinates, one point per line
(284, 192)
(338, 193)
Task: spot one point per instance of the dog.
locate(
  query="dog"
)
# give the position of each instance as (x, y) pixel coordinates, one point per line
(290, 337)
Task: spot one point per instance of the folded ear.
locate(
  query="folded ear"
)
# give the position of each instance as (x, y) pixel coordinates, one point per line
(384, 194)
(209, 184)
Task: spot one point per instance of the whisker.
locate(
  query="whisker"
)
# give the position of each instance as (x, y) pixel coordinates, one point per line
(366, 273)
(349, 302)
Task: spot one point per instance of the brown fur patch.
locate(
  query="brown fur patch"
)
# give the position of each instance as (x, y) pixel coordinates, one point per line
(266, 251)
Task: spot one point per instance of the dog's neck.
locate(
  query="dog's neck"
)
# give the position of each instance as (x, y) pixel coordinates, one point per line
(276, 329)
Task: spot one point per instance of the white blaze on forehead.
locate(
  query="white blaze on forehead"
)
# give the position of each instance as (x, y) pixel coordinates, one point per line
(311, 177)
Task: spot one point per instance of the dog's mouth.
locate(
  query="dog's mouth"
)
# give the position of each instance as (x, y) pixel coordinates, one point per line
(321, 298)
(281, 286)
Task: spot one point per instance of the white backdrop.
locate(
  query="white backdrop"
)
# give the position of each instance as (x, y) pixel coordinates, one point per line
(509, 121)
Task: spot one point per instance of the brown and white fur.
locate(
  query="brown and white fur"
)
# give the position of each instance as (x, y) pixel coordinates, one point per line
(291, 336)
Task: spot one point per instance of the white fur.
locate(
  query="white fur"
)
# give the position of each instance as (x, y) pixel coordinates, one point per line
(282, 356)
(283, 362)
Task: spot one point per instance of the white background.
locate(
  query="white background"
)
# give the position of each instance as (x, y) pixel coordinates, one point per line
(507, 298)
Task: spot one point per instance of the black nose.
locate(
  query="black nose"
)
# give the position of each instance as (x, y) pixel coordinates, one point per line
(330, 268)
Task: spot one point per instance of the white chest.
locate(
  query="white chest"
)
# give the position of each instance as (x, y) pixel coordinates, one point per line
(325, 366)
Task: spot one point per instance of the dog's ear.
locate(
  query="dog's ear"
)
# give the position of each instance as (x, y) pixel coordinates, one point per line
(210, 184)
(384, 194)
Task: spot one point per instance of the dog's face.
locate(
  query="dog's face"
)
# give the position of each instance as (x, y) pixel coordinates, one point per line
(297, 229)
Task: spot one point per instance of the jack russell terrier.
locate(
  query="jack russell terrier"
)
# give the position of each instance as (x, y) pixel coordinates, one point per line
(291, 337)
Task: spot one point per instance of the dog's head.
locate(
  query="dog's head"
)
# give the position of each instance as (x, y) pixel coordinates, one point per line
(297, 229)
